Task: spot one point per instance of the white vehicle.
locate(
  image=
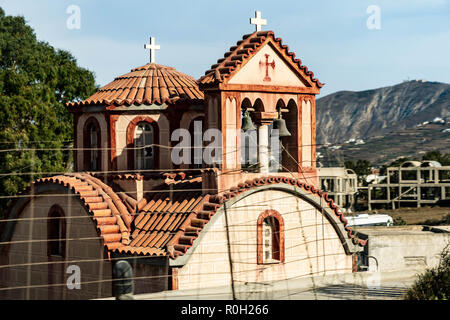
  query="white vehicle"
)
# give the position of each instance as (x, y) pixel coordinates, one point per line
(366, 220)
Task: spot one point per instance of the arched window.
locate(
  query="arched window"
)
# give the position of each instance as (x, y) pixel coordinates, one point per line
(196, 129)
(291, 151)
(275, 148)
(275, 151)
(91, 143)
(56, 232)
(142, 141)
(270, 236)
(144, 155)
(249, 138)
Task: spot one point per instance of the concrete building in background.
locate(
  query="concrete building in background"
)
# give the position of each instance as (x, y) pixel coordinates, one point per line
(403, 247)
(341, 185)
(413, 183)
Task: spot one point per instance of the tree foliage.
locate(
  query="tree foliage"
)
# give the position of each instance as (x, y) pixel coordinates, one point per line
(361, 167)
(436, 155)
(36, 81)
(434, 283)
(395, 163)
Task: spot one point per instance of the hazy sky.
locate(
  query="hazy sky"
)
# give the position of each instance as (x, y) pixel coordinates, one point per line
(330, 37)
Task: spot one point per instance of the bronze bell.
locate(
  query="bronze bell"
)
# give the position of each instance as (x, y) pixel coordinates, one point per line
(247, 123)
(280, 124)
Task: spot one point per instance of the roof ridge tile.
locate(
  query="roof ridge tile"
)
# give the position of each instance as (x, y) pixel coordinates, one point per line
(245, 47)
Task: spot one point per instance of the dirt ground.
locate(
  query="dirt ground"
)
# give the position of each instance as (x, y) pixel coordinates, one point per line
(414, 216)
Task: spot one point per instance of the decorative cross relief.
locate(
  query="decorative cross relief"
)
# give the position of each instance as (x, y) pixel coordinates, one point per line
(267, 64)
(258, 21)
(153, 47)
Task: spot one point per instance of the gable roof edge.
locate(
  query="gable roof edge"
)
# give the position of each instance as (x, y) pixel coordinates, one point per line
(349, 239)
(242, 52)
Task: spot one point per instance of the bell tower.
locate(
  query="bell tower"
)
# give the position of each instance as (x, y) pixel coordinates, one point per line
(262, 99)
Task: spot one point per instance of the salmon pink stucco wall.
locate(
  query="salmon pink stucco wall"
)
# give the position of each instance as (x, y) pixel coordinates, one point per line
(28, 257)
(256, 71)
(312, 246)
(80, 125)
(121, 126)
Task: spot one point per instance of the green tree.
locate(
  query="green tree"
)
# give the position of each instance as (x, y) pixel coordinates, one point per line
(395, 163)
(361, 167)
(436, 155)
(434, 283)
(35, 83)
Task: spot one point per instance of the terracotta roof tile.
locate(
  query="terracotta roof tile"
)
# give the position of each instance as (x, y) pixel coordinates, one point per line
(105, 207)
(169, 222)
(243, 50)
(149, 84)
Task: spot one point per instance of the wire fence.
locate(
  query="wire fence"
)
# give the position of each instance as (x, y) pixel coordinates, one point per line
(227, 256)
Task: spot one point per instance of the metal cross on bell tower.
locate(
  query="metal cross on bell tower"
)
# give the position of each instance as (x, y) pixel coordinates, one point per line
(258, 21)
(153, 47)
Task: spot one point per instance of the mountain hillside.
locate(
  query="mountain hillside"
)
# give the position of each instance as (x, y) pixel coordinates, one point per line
(346, 115)
(383, 149)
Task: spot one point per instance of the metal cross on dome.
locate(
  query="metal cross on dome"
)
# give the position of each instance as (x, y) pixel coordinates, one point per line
(153, 47)
(258, 21)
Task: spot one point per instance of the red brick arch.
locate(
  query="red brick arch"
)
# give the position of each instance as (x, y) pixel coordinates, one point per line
(259, 229)
(130, 139)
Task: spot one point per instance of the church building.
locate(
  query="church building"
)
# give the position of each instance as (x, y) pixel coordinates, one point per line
(242, 214)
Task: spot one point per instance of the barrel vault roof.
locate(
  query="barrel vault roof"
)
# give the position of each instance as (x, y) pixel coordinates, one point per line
(167, 222)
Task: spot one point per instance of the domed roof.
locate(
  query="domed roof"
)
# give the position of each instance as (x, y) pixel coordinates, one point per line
(149, 84)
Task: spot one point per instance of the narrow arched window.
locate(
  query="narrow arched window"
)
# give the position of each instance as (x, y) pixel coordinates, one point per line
(270, 238)
(92, 136)
(143, 143)
(249, 138)
(196, 129)
(275, 151)
(56, 232)
(275, 142)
